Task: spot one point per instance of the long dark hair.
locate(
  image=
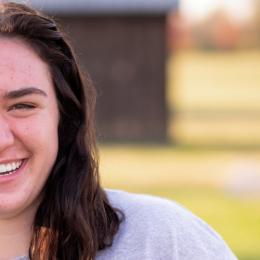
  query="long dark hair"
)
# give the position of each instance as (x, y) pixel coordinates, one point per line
(74, 219)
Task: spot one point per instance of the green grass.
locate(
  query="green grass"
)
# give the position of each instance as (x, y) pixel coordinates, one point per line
(195, 178)
(235, 219)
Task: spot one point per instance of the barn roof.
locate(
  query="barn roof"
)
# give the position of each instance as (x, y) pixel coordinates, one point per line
(105, 6)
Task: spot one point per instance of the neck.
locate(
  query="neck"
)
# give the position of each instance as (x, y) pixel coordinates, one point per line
(15, 235)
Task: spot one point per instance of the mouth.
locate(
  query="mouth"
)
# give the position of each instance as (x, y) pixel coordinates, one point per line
(10, 168)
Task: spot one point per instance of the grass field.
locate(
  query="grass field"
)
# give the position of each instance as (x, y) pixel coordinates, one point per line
(200, 180)
(213, 100)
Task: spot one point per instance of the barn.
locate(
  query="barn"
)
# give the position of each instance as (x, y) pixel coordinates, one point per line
(122, 44)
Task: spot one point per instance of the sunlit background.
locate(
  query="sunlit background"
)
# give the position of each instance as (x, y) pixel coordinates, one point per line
(205, 152)
(211, 164)
(240, 11)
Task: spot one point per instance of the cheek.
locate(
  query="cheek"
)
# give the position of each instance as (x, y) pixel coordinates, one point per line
(38, 135)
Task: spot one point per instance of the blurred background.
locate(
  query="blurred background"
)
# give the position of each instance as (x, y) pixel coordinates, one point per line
(178, 109)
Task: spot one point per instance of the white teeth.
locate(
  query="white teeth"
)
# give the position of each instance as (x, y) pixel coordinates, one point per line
(8, 168)
(2, 168)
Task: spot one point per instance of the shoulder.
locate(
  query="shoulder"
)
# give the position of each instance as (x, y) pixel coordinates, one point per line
(165, 227)
(146, 209)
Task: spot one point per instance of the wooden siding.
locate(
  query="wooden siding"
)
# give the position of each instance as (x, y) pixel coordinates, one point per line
(125, 57)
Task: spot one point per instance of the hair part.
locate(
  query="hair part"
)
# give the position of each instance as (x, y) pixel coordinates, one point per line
(74, 219)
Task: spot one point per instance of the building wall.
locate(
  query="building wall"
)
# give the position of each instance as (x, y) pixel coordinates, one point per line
(125, 57)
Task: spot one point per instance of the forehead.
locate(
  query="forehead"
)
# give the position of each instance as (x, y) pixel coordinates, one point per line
(21, 66)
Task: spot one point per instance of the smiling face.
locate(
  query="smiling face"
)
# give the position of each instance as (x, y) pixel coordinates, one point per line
(28, 127)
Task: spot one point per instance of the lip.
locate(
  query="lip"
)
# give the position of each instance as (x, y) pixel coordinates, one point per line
(11, 160)
(16, 174)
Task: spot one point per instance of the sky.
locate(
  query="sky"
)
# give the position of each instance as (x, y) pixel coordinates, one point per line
(195, 10)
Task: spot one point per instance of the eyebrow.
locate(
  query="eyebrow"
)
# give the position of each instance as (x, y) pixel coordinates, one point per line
(24, 92)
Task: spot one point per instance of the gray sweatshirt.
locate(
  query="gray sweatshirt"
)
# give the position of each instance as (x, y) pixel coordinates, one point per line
(159, 229)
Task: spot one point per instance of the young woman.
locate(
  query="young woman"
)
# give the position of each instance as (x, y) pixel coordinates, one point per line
(51, 203)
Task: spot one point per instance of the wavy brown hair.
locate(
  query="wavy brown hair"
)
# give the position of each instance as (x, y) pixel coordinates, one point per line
(74, 219)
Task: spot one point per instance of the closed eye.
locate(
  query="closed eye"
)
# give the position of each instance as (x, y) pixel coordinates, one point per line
(21, 106)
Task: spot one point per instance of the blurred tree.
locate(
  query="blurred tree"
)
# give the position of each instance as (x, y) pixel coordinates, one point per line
(217, 31)
(257, 21)
(179, 32)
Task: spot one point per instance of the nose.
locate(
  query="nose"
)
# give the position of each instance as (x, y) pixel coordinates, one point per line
(6, 135)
